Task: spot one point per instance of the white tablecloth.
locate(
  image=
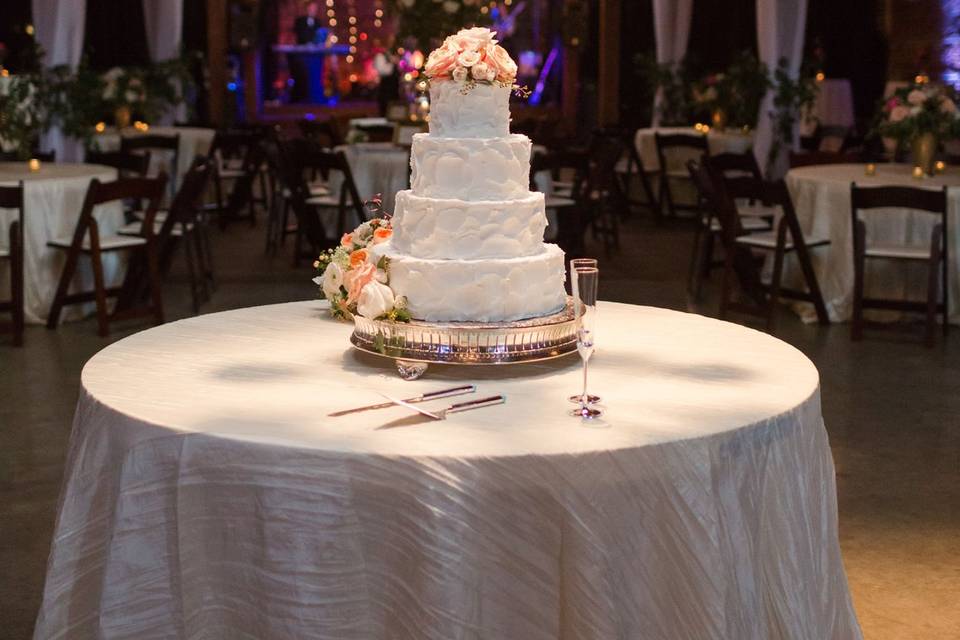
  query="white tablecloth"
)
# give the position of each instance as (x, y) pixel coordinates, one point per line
(719, 142)
(194, 141)
(821, 197)
(208, 495)
(52, 202)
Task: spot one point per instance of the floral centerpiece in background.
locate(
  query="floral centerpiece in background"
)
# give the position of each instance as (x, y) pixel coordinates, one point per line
(23, 116)
(733, 98)
(923, 115)
(355, 279)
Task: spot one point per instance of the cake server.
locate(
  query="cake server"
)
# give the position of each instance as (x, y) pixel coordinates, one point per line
(432, 395)
(441, 414)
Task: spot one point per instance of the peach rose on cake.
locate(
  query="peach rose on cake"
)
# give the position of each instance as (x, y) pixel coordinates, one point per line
(476, 37)
(382, 235)
(460, 74)
(359, 257)
(480, 71)
(499, 59)
(357, 279)
(440, 62)
(468, 58)
(346, 240)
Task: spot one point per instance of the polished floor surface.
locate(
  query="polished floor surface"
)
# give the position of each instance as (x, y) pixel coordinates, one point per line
(892, 409)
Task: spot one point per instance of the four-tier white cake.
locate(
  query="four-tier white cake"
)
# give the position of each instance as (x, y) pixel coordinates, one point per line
(467, 240)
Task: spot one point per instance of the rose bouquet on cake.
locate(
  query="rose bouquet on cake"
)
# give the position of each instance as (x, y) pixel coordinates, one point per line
(354, 277)
(471, 57)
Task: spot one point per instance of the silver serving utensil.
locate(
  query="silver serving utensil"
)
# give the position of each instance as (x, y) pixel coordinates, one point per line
(423, 397)
(441, 414)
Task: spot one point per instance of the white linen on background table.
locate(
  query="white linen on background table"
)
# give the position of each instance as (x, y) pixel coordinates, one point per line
(821, 197)
(719, 142)
(207, 493)
(194, 141)
(53, 198)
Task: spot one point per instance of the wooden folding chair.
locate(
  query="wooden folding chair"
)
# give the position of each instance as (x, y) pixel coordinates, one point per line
(182, 225)
(739, 247)
(12, 198)
(155, 142)
(629, 169)
(87, 241)
(128, 165)
(935, 255)
(666, 145)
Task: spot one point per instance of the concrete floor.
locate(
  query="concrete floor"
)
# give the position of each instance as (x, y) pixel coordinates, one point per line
(892, 409)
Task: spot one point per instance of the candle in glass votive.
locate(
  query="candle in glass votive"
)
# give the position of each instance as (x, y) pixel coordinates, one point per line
(871, 169)
(34, 164)
(918, 173)
(940, 166)
(100, 127)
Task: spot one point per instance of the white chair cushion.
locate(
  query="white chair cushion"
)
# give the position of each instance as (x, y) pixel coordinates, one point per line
(230, 173)
(903, 252)
(748, 223)
(133, 229)
(4, 253)
(161, 215)
(319, 189)
(768, 240)
(107, 243)
(757, 210)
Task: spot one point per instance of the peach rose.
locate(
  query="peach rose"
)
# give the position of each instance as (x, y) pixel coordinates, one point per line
(460, 74)
(440, 62)
(346, 240)
(382, 235)
(357, 279)
(477, 37)
(899, 113)
(358, 258)
(498, 58)
(468, 58)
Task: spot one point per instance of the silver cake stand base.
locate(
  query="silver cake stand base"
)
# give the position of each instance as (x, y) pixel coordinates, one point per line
(417, 344)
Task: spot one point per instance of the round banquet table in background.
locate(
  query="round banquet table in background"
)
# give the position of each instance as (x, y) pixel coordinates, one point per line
(52, 201)
(207, 493)
(719, 142)
(194, 141)
(821, 197)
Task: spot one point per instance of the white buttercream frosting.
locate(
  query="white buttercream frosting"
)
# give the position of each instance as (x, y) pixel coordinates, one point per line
(453, 228)
(481, 112)
(470, 168)
(488, 290)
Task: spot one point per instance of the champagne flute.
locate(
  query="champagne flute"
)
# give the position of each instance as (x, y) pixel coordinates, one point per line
(575, 265)
(584, 281)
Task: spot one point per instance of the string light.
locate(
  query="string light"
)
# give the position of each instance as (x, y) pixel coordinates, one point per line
(353, 20)
(378, 13)
(331, 13)
(333, 22)
(353, 39)
(378, 22)
(349, 59)
(353, 49)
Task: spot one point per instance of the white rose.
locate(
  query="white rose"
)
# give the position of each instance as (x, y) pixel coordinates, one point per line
(479, 71)
(468, 58)
(915, 110)
(131, 96)
(450, 6)
(375, 300)
(363, 231)
(916, 97)
(459, 74)
(479, 36)
(332, 280)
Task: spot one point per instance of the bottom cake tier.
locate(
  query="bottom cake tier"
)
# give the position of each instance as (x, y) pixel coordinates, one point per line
(488, 290)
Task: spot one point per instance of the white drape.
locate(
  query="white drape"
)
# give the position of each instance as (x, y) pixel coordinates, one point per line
(671, 23)
(780, 32)
(163, 20)
(59, 30)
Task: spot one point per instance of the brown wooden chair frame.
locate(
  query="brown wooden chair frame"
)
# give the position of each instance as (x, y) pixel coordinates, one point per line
(675, 141)
(916, 199)
(150, 190)
(12, 198)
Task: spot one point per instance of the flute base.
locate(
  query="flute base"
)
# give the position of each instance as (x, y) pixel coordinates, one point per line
(587, 413)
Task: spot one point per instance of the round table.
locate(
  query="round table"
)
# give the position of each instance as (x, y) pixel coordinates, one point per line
(194, 141)
(821, 197)
(52, 201)
(719, 142)
(207, 493)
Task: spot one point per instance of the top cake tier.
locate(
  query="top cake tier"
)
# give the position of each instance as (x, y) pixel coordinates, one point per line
(481, 112)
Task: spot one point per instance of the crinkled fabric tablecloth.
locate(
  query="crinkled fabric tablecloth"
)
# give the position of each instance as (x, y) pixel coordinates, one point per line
(208, 495)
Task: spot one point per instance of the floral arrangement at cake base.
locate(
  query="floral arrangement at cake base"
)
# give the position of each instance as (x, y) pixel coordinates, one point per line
(355, 280)
(922, 115)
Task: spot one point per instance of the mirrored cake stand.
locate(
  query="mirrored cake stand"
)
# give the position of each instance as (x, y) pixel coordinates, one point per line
(416, 344)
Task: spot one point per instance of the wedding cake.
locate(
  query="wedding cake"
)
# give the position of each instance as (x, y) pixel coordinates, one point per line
(466, 240)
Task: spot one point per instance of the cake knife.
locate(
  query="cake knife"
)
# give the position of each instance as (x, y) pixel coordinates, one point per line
(441, 414)
(432, 395)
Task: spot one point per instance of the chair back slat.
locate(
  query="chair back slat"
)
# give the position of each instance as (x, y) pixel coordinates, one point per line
(743, 163)
(131, 163)
(12, 197)
(934, 201)
(814, 158)
(150, 141)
